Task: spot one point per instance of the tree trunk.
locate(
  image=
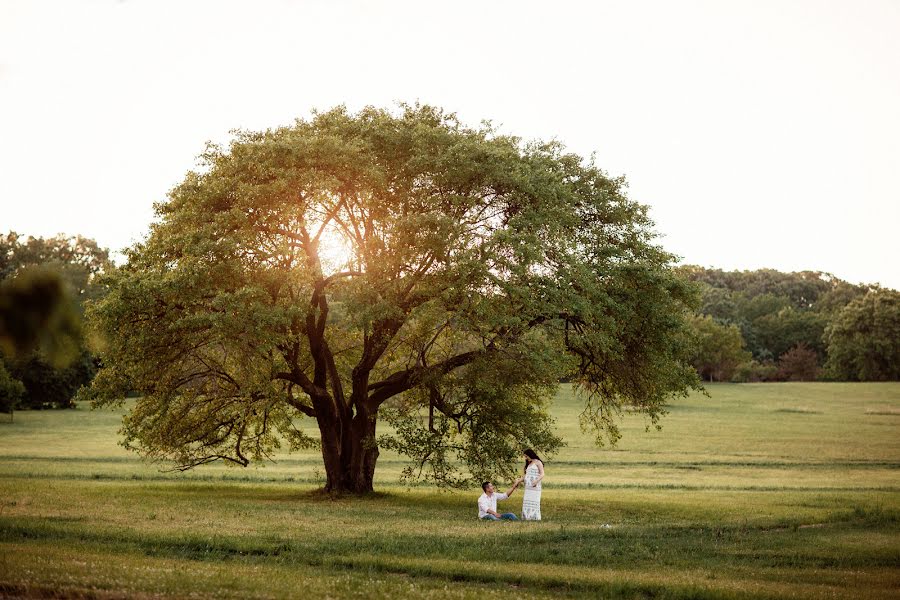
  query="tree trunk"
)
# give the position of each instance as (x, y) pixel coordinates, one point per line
(363, 452)
(349, 452)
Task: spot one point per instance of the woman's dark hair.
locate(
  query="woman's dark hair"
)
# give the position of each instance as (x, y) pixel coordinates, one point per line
(532, 455)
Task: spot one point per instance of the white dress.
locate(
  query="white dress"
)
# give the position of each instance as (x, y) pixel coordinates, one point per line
(531, 498)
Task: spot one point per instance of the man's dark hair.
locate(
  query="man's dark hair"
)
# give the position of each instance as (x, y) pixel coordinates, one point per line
(484, 486)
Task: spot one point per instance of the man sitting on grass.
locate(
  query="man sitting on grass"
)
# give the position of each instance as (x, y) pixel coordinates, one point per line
(487, 503)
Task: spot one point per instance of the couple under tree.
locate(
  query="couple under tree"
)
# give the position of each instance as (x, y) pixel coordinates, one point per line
(531, 500)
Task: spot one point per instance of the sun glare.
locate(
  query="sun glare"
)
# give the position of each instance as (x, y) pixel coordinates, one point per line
(335, 251)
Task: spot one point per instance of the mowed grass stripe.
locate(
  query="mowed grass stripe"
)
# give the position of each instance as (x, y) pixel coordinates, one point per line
(429, 486)
(599, 464)
(551, 542)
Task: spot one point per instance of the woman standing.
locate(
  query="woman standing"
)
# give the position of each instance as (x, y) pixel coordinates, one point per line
(534, 473)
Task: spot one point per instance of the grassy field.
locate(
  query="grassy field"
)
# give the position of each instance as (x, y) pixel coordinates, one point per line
(760, 490)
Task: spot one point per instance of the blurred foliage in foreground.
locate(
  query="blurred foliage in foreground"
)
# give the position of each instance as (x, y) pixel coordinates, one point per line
(44, 282)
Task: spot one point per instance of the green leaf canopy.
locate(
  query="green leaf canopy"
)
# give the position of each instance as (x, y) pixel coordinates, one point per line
(404, 265)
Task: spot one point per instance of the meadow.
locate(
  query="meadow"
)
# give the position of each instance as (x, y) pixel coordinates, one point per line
(757, 490)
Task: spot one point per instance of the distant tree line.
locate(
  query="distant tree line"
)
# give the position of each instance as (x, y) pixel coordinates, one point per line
(44, 285)
(767, 325)
(751, 326)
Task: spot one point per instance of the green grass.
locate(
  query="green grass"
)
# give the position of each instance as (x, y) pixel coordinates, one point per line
(760, 490)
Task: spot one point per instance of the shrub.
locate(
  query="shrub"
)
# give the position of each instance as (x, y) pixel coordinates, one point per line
(754, 371)
(800, 363)
(11, 390)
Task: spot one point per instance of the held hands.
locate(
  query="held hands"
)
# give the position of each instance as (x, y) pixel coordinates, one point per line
(521, 479)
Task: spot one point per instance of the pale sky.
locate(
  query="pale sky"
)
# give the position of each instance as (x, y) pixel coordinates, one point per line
(761, 133)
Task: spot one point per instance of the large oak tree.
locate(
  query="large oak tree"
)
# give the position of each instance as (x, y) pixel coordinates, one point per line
(476, 271)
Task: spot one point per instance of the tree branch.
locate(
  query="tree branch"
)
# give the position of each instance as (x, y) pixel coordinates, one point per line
(331, 214)
(402, 381)
(334, 276)
(298, 377)
(309, 411)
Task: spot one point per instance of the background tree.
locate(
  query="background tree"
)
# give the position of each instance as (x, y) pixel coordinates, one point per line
(52, 386)
(719, 349)
(780, 331)
(775, 312)
(77, 259)
(801, 289)
(864, 338)
(838, 297)
(719, 303)
(363, 265)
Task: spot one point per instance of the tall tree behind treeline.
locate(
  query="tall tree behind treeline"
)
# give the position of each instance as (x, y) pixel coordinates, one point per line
(44, 284)
(794, 326)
